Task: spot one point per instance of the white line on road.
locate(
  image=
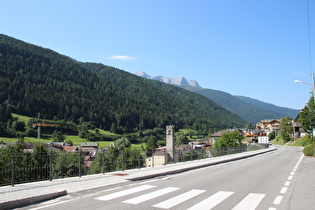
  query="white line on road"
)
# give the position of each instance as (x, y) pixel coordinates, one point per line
(124, 192)
(151, 195)
(287, 183)
(178, 199)
(212, 201)
(278, 200)
(302, 156)
(49, 205)
(283, 190)
(250, 202)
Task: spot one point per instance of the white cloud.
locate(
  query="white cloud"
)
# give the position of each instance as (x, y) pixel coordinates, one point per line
(122, 58)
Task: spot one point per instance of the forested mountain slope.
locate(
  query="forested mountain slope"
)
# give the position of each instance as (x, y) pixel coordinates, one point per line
(35, 81)
(267, 106)
(171, 98)
(249, 109)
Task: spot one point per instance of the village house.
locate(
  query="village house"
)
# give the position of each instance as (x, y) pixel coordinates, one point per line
(269, 125)
(161, 157)
(89, 150)
(216, 136)
(298, 130)
(70, 148)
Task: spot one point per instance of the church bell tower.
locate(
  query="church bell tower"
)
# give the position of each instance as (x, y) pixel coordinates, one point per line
(170, 141)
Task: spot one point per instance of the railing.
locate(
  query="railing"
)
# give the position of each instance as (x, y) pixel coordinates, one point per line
(29, 167)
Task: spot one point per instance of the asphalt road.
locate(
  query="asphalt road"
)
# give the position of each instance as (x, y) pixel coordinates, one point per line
(271, 181)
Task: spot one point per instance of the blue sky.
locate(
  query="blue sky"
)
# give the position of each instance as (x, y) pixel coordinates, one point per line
(253, 48)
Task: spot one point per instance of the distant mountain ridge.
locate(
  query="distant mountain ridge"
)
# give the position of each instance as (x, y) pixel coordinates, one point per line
(288, 111)
(251, 110)
(175, 81)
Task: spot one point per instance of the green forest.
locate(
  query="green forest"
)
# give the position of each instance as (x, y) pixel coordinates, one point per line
(251, 110)
(40, 83)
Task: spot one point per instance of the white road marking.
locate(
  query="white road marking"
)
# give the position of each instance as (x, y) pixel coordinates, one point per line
(178, 199)
(49, 205)
(284, 190)
(124, 192)
(151, 195)
(278, 200)
(250, 202)
(302, 156)
(150, 181)
(287, 183)
(212, 201)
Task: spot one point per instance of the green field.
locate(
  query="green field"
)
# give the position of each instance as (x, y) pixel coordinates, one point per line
(75, 139)
(21, 117)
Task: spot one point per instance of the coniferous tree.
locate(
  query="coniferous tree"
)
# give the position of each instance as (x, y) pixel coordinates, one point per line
(286, 129)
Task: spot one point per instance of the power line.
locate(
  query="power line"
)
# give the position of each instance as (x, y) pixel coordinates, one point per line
(309, 36)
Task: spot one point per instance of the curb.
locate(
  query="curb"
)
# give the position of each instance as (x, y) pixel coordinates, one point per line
(197, 166)
(31, 200)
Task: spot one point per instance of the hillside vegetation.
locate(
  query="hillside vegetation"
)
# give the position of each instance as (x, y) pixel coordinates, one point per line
(251, 110)
(280, 111)
(41, 83)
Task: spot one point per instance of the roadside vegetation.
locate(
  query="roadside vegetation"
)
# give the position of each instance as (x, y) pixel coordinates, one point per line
(307, 119)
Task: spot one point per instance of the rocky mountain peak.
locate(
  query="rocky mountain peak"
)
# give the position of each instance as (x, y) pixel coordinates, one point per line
(168, 80)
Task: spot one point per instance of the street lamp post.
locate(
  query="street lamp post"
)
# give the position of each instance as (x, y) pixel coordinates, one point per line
(313, 90)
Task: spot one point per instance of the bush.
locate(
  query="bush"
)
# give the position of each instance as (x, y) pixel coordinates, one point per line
(309, 150)
(306, 140)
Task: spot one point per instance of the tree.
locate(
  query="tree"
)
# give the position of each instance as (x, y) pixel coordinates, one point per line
(229, 139)
(97, 131)
(286, 129)
(5, 117)
(307, 116)
(58, 136)
(67, 164)
(272, 135)
(69, 142)
(122, 143)
(181, 139)
(249, 125)
(18, 126)
(151, 144)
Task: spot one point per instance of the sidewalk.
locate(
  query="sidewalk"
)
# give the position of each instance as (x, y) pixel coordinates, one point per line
(28, 193)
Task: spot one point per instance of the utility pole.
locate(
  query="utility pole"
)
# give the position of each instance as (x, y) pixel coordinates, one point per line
(313, 87)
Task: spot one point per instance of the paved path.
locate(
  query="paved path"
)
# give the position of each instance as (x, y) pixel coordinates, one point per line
(25, 194)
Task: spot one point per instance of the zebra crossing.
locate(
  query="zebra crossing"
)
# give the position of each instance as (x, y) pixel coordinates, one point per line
(250, 202)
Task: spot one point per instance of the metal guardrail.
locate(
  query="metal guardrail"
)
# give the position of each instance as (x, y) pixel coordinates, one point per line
(29, 167)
